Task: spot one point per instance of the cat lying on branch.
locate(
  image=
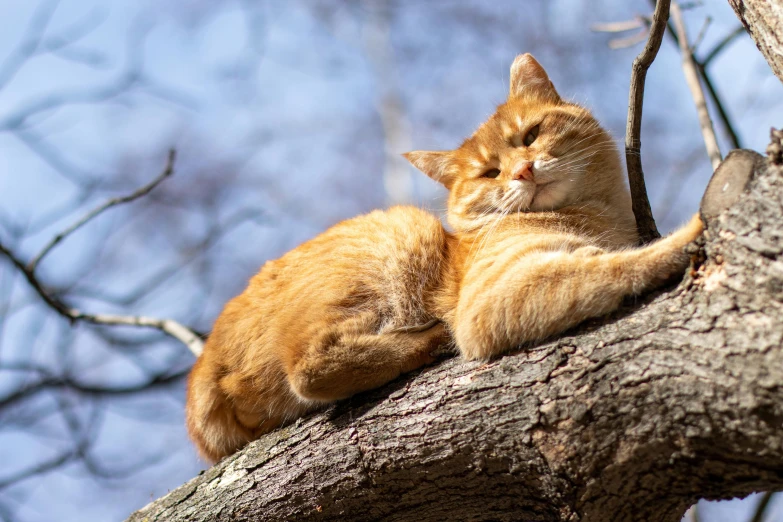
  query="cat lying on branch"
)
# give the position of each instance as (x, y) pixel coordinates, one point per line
(543, 238)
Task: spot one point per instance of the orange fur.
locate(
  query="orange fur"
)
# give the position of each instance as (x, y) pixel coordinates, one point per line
(542, 240)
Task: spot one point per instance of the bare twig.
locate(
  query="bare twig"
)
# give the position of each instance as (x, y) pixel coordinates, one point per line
(722, 44)
(189, 337)
(396, 132)
(700, 36)
(618, 27)
(143, 191)
(761, 507)
(29, 43)
(629, 41)
(49, 382)
(43, 467)
(645, 223)
(691, 71)
(176, 330)
(639, 22)
(728, 127)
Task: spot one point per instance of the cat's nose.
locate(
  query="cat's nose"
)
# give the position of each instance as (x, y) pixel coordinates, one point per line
(523, 170)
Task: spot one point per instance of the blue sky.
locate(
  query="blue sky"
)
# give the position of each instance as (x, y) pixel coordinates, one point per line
(274, 107)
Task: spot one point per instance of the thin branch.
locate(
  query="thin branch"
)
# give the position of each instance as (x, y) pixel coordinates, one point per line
(43, 467)
(691, 71)
(641, 23)
(189, 254)
(722, 44)
(701, 35)
(182, 333)
(645, 223)
(50, 382)
(29, 44)
(618, 27)
(728, 127)
(629, 41)
(761, 507)
(143, 191)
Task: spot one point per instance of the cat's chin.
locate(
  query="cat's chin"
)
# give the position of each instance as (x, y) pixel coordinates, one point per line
(549, 196)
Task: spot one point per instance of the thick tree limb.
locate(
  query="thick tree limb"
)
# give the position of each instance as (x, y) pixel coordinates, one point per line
(633, 417)
(763, 21)
(645, 223)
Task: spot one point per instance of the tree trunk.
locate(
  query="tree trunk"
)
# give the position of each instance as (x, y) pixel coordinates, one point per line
(763, 19)
(631, 417)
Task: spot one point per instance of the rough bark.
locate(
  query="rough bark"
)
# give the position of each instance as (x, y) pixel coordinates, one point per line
(763, 19)
(632, 417)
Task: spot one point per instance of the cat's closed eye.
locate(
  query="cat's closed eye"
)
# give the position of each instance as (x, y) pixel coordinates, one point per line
(491, 173)
(531, 136)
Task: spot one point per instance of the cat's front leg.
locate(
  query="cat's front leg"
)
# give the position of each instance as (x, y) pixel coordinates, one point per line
(535, 295)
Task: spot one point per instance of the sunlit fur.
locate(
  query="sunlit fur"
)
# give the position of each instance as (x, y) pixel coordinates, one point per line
(372, 297)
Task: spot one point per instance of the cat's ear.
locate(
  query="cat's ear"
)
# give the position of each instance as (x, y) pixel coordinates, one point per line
(529, 78)
(436, 164)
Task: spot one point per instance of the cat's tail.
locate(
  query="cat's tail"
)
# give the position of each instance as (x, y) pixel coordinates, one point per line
(211, 419)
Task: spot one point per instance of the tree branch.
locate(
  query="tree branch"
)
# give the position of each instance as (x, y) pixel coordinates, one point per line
(715, 51)
(761, 508)
(142, 191)
(187, 336)
(762, 20)
(632, 417)
(691, 71)
(645, 223)
(701, 66)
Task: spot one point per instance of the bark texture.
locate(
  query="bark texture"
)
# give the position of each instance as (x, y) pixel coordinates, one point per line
(632, 417)
(763, 19)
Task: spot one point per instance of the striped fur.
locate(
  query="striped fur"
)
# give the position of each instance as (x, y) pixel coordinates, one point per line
(545, 243)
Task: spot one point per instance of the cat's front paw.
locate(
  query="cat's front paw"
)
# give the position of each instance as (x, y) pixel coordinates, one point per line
(693, 229)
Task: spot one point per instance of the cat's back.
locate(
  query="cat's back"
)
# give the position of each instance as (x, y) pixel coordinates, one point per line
(385, 262)
(372, 249)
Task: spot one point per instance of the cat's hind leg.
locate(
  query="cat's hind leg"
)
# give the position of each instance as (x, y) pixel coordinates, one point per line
(533, 296)
(348, 359)
(211, 418)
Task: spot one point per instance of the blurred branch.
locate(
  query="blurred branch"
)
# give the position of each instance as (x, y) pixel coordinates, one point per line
(396, 134)
(722, 44)
(645, 223)
(701, 66)
(82, 437)
(761, 507)
(39, 468)
(187, 336)
(50, 381)
(189, 255)
(29, 44)
(692, 78)
(618, 27)
(700, 37)
(143, 191)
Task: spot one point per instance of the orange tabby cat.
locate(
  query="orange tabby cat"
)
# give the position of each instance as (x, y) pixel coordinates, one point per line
(542, 240)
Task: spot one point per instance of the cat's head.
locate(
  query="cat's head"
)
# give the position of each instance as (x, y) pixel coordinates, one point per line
(536, 153)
